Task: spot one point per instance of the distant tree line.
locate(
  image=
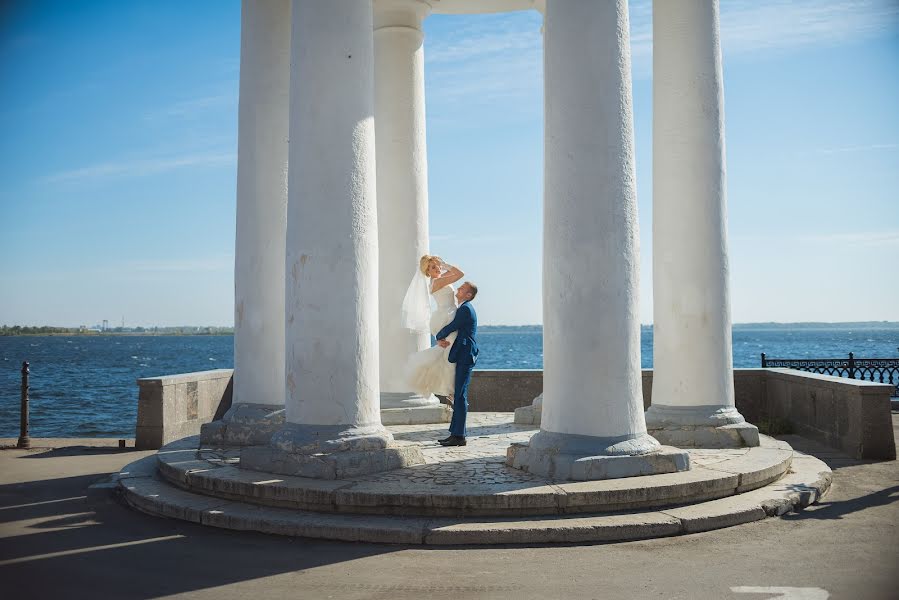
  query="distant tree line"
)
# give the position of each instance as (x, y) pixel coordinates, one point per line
(19, 330)
(7, 330)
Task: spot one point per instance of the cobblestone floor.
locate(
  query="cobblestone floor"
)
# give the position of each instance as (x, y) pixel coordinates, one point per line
(480, 463)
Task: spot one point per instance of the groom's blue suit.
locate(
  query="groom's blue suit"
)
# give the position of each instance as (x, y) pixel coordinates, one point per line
(464, 353)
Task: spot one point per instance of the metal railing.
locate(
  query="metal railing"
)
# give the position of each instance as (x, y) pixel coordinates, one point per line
(878, 370)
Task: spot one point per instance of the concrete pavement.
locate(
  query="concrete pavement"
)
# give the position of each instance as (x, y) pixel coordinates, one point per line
(60, 539)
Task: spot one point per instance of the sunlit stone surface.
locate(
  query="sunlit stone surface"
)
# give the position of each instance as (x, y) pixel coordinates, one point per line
(333, 426)
(693, 386)
(258, 405)
(402, 174)
(356, 89)
(592, 423)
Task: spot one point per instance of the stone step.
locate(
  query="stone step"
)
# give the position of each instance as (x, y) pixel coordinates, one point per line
(806, 482)
(472, 487)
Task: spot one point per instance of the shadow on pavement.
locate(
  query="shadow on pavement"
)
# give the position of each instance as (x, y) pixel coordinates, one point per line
(77, 451)
(61, 540)
(839, 509)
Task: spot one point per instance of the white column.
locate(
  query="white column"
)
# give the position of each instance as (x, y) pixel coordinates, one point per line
(258, 392)
(333, 427)
(592, 423)
(693, 386)
(402, 169)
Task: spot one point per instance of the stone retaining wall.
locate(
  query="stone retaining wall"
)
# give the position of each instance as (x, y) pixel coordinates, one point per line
(848, 414)
(851, 415)
(174, 406)
(502, 390)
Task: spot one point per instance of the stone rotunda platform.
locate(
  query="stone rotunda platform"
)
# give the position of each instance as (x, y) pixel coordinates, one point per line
(468, 495)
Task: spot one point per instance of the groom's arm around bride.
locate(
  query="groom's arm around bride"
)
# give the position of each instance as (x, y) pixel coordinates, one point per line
(465, 322)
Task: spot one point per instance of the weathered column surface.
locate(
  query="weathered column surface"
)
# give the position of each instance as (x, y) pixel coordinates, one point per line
(333, 427)
(402, 168)
(592, 423)
(258, 397)
(693, 386)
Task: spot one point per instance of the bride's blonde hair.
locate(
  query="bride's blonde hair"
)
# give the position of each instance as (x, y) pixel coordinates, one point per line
(426, 260)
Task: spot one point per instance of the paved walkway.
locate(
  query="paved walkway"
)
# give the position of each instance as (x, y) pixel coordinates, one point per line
(480, 463)
(59, 540)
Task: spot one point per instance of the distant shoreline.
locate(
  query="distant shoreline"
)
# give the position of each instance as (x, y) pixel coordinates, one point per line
(744, 326)
(44, 331)
(115, 334)
(15, 331)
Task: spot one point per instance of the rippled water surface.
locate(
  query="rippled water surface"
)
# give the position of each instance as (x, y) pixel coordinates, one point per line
(84, 386)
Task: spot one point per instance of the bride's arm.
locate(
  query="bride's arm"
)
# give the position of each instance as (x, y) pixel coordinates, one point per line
(452, 275)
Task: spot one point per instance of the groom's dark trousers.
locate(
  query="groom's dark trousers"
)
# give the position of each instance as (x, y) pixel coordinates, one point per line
(464, 353)
(460, 399)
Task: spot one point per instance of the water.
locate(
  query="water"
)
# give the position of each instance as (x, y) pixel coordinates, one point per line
(84, 386)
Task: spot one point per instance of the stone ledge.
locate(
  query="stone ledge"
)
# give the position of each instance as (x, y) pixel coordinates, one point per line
(734, 435)
(758, 468)
(418, 490)
(186, 377)
(417, 415)
(596, 468)
(332, 466)
(808, 482)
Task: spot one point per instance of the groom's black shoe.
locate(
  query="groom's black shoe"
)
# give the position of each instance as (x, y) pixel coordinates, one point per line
(454, 440)
(444, 440)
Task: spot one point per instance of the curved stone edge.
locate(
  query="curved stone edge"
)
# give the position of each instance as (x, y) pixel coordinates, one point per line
(807, 482)
(178, 463)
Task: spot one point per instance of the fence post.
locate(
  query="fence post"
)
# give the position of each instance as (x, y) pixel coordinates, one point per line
(851, 366)
(764, 362)
(24, 440)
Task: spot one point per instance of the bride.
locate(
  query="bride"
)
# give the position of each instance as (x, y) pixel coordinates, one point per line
(429, 371)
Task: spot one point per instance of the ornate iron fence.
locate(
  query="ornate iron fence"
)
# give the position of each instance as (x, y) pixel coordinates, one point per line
(878, 370)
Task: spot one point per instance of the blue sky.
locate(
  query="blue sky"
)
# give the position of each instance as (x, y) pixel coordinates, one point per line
(118, 158)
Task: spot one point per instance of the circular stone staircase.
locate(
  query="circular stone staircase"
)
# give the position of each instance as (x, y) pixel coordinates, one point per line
(467, 495)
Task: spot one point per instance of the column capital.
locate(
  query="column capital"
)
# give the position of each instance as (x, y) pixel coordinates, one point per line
(400, 13)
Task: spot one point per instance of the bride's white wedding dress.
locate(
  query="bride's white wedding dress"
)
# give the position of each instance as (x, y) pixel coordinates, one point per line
(430, 371)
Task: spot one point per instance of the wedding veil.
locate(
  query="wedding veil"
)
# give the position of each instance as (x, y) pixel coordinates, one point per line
(417, 304)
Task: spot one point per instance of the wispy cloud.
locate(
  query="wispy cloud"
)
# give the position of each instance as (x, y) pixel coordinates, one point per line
(491, 58)
(480, 42)
(194, 106)
(500, 56)
(469, 239)
(143, 167)
(223, 262)
(749, 25)
(759, 26)
(862, 148)
(864, 238)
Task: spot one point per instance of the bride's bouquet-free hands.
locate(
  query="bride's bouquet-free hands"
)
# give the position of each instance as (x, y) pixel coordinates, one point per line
(444, 266)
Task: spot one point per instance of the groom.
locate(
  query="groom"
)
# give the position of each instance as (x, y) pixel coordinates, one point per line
(464, 353)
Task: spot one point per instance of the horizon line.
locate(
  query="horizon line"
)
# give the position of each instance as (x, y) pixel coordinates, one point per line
(184, 326)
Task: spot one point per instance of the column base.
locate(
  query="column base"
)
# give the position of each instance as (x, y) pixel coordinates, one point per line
(244, 424)
(563, 456)
(530, 415)
(330, 452)
(710, 426)
(412, 409)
